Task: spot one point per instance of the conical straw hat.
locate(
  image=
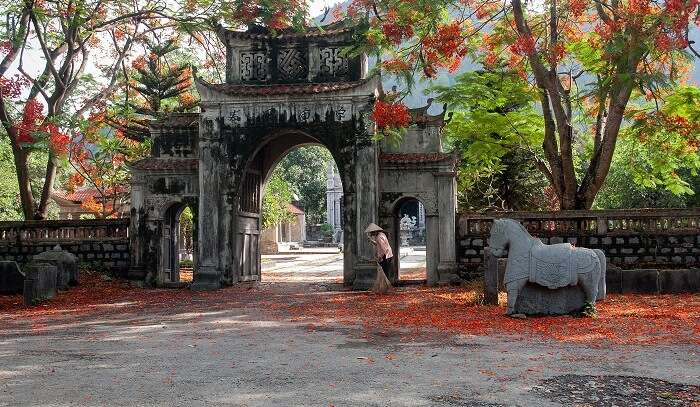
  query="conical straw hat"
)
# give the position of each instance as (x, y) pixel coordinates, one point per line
(373, 228)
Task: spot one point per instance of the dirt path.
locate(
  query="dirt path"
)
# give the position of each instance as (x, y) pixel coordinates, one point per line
(249, 346)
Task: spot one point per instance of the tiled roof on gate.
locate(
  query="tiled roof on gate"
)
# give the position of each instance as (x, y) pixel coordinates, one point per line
(166, 164)
(413, 158)
(282, 89)
(177, 120)
(260, 33)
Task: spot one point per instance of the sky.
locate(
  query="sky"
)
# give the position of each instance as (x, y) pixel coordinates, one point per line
(317, 7)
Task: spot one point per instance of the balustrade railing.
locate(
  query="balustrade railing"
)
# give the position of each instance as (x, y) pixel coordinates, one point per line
(593, 222)
(64, 230)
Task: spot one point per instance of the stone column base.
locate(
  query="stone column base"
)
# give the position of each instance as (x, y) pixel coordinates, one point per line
(448, 273)
(365, 275)
(206, 278)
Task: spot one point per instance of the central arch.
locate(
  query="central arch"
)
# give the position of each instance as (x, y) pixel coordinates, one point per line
(257, 171)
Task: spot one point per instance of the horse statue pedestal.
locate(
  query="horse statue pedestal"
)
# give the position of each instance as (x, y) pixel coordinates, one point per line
(544, 279)
(538, 300)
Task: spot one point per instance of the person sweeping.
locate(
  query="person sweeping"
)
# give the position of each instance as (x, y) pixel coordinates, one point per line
(383, 255)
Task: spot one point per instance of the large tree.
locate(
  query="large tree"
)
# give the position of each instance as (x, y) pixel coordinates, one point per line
(74, 43)
(588, 60)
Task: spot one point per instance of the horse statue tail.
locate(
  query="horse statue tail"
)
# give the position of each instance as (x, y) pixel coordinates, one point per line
(602, 288)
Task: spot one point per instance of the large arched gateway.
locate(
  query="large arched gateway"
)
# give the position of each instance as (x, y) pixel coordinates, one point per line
(281, 92)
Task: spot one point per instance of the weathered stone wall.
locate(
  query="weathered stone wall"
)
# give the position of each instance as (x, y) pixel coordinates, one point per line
(100, 244)
(631, 239)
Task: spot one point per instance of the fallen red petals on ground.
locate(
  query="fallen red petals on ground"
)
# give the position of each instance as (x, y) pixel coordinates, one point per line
(623, 319)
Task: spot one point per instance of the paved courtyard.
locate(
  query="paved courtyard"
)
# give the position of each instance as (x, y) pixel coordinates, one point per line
(267, 345)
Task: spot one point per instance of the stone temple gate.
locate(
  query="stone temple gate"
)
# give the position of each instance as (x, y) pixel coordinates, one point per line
(281, 92)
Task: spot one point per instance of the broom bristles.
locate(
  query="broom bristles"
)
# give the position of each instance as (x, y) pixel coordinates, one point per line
(382, 285)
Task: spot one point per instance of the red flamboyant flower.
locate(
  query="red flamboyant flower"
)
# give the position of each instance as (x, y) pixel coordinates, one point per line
(58, 140)
(577, 7)
(390, 115)
(523, 46)
(32, 117)
(394, 30)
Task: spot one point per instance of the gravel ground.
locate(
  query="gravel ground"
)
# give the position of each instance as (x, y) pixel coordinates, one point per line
(197, 354)
(240, 356)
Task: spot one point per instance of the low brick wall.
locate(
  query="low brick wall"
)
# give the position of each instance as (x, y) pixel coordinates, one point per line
(101, 244)
(631, 239)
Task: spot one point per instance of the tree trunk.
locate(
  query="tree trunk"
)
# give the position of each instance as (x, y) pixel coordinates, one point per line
(50, 177)
(25, 187)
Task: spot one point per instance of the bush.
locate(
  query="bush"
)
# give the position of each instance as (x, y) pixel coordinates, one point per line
(327, 229)
(186, 263)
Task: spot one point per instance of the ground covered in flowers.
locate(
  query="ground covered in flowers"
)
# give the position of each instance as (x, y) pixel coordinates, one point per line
(407, 311)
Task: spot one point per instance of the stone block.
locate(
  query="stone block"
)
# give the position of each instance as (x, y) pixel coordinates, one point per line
(607, 241)
(593, 240)
(39, 282)
(665, 250)
(678, 249)
(66, 265)
(573, 241)
(619, 240)
(633, 240)
(679, 281)
(538, 300)
(677, 259)
(631, 259)
(11, 278)
(556, 240)
(640, 281)
(627, 250)
(121, 247)
(470, 252)
(613, 279)
(108, 247)
(478, 242)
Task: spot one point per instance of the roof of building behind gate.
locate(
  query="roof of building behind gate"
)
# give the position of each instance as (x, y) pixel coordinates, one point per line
(166, 164)
(282, 89)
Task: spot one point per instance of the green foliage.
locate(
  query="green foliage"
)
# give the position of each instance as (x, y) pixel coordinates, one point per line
(10, 206)
(275, 206)
(305, 169)
(658, 147)
(327, 229)
(499, 133)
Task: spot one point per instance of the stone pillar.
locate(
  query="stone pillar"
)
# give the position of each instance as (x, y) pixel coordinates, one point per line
(207, 274)
(349, 240)
(367, 203)
(421, 215)
(447, 208)
(433, 240)
(137, 240)
(490, 277)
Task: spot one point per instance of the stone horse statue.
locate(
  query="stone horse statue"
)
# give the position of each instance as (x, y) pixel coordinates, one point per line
(553, 266)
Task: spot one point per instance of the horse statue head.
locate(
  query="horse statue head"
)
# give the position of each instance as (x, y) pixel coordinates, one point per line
(498, 240)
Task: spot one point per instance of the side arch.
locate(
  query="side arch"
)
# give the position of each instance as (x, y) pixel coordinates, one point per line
(391, 219)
